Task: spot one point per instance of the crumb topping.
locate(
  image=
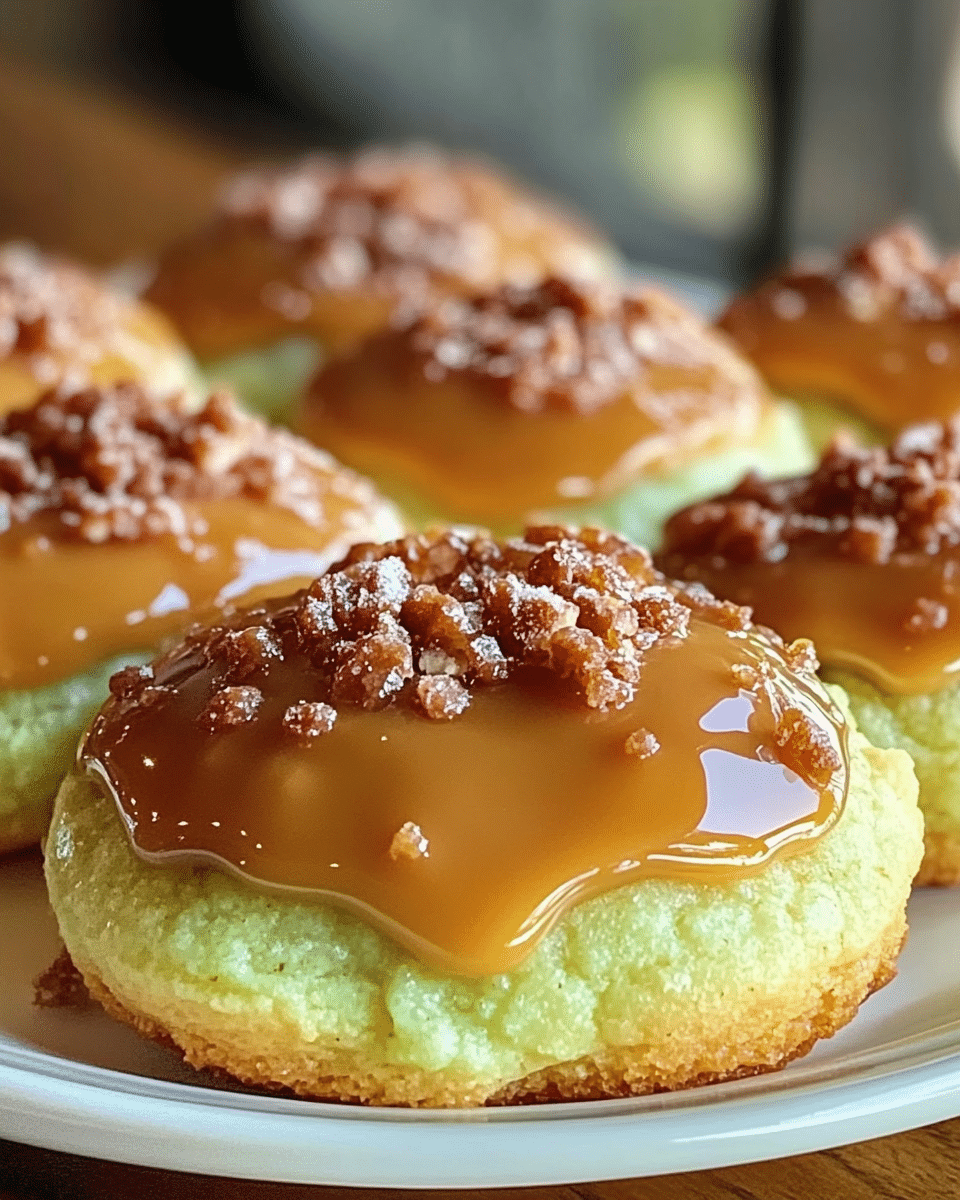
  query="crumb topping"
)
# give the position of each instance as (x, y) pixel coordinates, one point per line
(382, 218)
(308, 720)
(116, 463)
(231, 706)
(865, 505)
(50, 311)
(565, 345)
(408, 842)
(641, 744)
(372, 214)
(425, 621)
(897, 268)
(805, 748)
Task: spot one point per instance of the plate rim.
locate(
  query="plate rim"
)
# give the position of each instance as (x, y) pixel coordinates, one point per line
(96, 1112)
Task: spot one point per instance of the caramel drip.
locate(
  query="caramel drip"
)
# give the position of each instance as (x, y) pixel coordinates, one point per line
(142, 346)
(477, 459)
(897, 624)
(66, 606)
(259, 298)
(466, 840)
(889, 369)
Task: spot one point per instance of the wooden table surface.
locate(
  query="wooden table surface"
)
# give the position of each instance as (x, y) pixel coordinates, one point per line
(105, 180)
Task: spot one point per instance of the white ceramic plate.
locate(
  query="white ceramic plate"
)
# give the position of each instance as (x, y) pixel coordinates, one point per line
(75, 1081)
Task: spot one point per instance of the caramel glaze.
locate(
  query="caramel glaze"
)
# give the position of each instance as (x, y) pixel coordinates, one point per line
(480, 461)
(64, 328)
(393, 412)
(246, 292)
(862, 555)
(330, 248)
(896, 624)
(451, 836)
(65, 606)
(878, 332)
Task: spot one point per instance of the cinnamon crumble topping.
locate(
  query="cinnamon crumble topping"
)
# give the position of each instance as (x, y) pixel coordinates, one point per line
(308, 720)
(805, 748)
(50, 311)
(408, 842)
(642, 744)
(231, 706)
(115, 463)
(927, 616)
(566, 345)
(131, 681)
(424, 621)
(393, 222)
(866, 505)
(896, 269)
(377, 214)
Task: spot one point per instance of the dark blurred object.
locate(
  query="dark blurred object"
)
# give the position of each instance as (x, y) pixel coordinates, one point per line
(100, 180)
(654, 117)
(647, 115)
(708, 136)
(877, 128)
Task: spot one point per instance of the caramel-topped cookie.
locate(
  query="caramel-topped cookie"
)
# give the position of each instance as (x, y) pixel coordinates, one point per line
(123, 518)
(458, 768)
(862, 556)
(560, 397)
(294, 745)
(60, 325)
(142, 513)
(327, 250)
(876, 332)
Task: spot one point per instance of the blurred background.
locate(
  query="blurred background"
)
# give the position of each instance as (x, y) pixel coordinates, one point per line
(710, 137)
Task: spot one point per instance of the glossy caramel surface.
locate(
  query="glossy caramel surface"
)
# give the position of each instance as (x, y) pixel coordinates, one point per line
(897, 624)
(458, 445)
(876, 331)
(65, 606)
(466, 840)
(69, 329)
(888, 371)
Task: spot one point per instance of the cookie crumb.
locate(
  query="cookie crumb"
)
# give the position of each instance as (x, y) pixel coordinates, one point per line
(230, 707)
(61, 985)
(309, 719)
(641, 744)
(408, 842)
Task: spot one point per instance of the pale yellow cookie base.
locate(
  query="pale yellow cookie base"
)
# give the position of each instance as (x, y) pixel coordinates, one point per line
(941, 860)
(656, 984)
(754, 1044)
(927, 726)
(639, 512)
(269, 380)
(823, 419)
(39, 731)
